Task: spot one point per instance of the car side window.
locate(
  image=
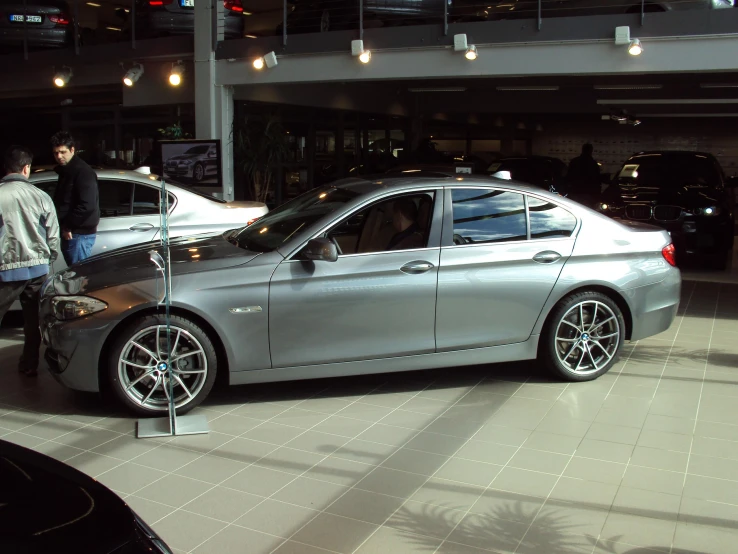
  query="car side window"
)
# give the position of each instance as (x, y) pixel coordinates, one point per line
(548, 220)
(487, 216)
(49, 187)
(146, 200)
(115, 197)
(398, 223)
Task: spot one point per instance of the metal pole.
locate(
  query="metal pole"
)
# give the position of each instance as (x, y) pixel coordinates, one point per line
(25, 30)
(445, 18)
(284, 23)
(76, 27)
(643, 12)
(361, 19)
(540, 15)
(133, 24)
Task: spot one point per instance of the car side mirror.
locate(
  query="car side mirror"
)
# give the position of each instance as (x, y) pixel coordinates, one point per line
(320, 250)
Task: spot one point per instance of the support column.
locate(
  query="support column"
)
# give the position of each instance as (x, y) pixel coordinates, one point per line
(213, 103)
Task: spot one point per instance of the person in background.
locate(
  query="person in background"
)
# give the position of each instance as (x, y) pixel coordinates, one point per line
(76, 199)
(29, 243)
(584, 172)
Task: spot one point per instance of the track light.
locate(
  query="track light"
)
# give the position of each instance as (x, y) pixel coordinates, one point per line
(269, 60)
(471, 53)
(358, 51)
(461, 44)
(635, 48)
(62, 77)
(175, 76)
(132, 75)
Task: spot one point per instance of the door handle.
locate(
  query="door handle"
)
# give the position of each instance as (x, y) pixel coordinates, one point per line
(546, 257)
(141, 227)
(413, 268)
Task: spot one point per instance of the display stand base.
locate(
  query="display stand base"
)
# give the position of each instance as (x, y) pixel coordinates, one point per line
(161, 427)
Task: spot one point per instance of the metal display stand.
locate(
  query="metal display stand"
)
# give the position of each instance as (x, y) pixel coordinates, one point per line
(171, 425)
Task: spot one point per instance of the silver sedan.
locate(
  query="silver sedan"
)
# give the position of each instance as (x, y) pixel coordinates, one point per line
(129, 209)
(365, 277)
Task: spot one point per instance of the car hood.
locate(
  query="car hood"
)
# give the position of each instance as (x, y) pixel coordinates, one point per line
(187, 254)
(685, 196)
(47, 506)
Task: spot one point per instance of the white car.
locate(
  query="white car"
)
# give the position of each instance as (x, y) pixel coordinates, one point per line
(129, 210)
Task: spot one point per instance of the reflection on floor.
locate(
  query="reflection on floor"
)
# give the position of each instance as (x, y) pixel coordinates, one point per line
(482, 459)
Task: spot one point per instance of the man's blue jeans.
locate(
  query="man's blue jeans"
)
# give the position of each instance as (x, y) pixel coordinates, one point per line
(77, 249)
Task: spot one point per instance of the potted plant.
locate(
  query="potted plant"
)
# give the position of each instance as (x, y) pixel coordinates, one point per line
(259, 147)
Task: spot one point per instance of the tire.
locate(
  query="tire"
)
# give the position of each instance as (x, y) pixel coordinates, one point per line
(198, 172)
(135, 367)
(561, 349)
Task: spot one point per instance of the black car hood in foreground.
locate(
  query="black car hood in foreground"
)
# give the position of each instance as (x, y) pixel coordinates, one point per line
(48, 507)
(133, 264)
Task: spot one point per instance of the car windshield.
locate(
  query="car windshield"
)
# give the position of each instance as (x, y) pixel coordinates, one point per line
(203, 149)
(669, 171)
(278, 226)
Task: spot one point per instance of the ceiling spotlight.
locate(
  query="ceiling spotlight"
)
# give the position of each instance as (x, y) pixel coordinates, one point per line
(63, 76)
(175, 76)
(357, 50)
(269, 60)
(471, 53)
(132, 75)
(635, 48)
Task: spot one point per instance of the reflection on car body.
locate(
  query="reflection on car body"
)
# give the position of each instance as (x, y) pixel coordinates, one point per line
(505, 272)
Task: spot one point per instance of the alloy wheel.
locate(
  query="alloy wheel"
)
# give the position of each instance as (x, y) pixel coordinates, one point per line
(143, 365)
(587, 337)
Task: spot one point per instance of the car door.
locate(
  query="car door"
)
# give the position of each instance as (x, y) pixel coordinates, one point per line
(129, 214)
(501, 256)
(371, 303)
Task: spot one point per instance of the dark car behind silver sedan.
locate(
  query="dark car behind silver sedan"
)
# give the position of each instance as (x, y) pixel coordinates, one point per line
(364, 277)
(46, 23)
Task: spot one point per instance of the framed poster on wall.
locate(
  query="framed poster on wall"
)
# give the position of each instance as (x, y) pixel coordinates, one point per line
(192, 162)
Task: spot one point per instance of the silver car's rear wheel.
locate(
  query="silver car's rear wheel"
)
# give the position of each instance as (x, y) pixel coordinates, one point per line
(139, 365)
(584, 336)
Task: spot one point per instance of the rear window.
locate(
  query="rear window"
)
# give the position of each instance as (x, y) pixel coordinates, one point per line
(670, 171)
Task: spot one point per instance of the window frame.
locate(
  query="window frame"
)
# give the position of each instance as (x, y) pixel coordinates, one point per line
(447, 239)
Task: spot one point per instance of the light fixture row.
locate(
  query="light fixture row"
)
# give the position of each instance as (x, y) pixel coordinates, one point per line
(64, 75)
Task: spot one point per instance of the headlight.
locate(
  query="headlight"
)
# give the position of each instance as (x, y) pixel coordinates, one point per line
(709, 211)
(186, 162)
(73, 307)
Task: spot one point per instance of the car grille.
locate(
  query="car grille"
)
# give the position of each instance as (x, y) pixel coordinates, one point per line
(639, 212)
(667, 213)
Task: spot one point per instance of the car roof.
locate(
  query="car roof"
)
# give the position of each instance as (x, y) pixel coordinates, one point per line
(674, 153)
(366, 186)
(533, 158)
(126, 174)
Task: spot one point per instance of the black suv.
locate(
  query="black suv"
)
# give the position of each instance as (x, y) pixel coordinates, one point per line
(686, 193)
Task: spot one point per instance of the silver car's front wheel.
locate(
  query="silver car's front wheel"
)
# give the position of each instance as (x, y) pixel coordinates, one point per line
(143, 355)
(584, 336)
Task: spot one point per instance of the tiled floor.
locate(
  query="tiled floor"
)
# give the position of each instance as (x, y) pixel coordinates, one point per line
(482, 459)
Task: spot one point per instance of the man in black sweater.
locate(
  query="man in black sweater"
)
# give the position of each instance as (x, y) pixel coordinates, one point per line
(76, 199)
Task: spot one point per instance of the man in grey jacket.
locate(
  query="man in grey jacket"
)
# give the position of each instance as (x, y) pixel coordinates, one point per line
(29, 243)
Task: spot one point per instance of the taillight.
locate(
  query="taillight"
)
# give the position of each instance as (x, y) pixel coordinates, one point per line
(250, 221)
(669, 254)
(160, 2)
(61, 19)
(233, 5)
